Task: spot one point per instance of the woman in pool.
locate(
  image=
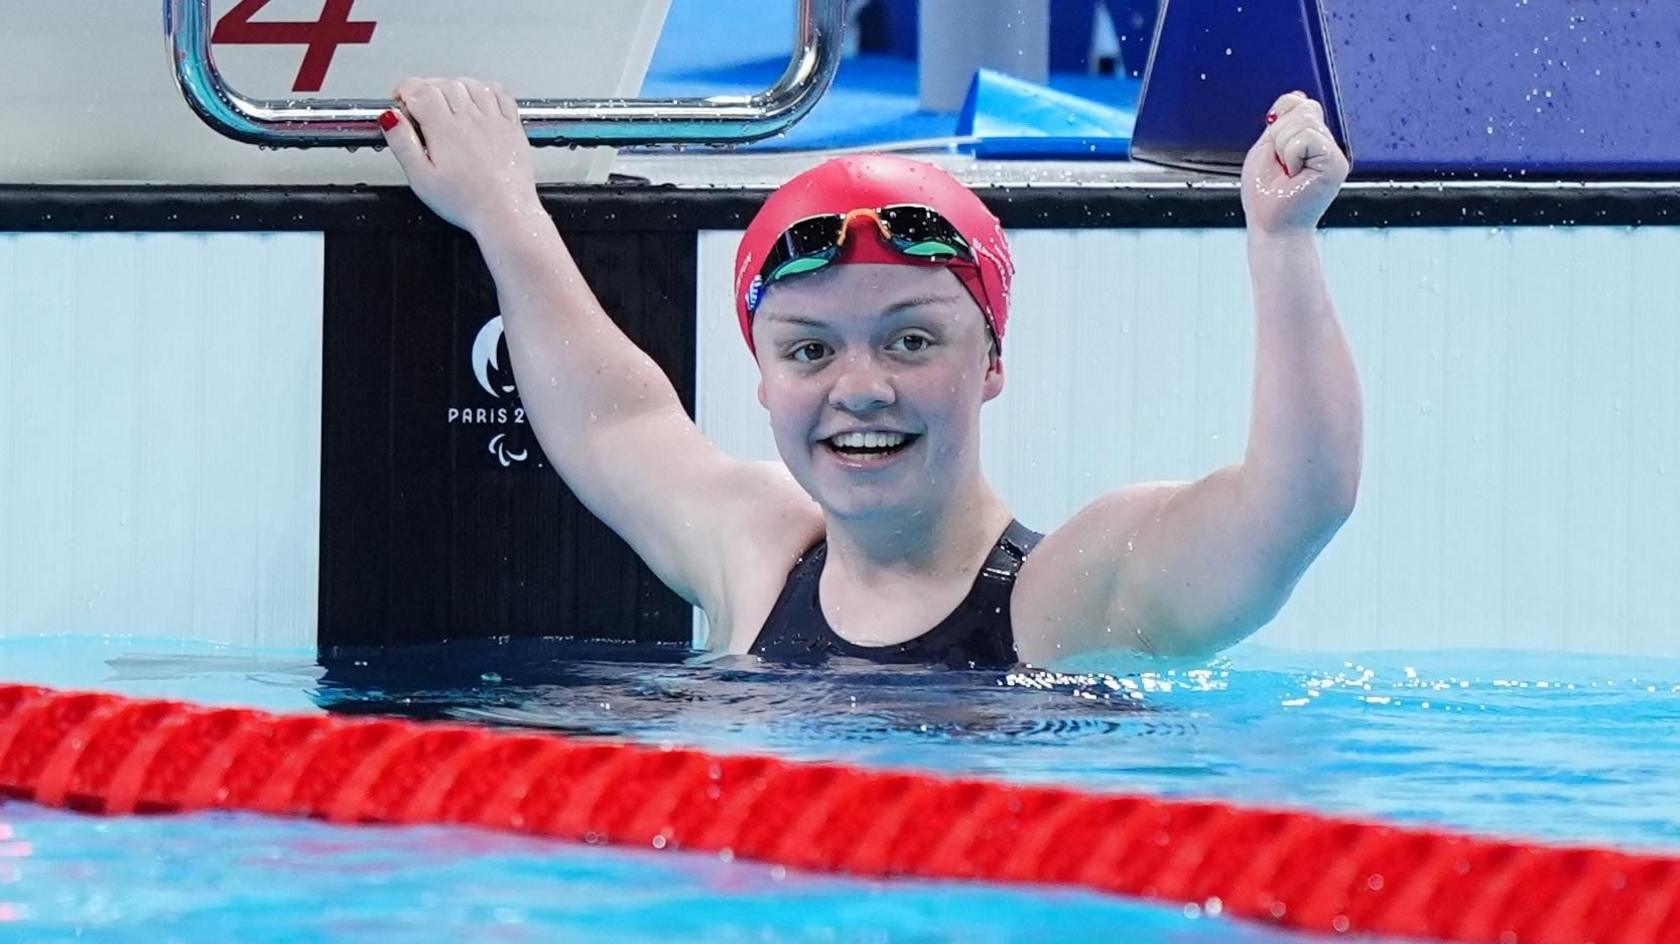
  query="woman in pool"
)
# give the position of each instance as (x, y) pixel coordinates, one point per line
(874, 293)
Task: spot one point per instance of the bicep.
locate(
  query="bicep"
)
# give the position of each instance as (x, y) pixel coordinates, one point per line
(1224, 561)
(1173, 568)
(1071, 595)
(1209, 571)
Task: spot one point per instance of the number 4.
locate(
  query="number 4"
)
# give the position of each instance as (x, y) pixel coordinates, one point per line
(322, 37)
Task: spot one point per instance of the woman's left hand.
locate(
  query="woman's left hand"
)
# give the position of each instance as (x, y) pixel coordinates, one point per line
(462, 145)
(1293, 172)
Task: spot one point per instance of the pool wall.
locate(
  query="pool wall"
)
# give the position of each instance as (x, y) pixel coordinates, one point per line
(160, 447)
(279, 416)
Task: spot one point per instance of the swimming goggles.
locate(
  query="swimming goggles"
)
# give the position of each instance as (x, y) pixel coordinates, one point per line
(814, 242)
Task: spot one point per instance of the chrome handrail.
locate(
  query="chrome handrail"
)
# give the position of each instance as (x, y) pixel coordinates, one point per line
(324, 122)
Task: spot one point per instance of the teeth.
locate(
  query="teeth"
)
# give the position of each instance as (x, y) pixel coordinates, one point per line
(870, 440)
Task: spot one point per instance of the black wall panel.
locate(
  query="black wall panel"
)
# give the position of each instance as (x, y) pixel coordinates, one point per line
(440, 515)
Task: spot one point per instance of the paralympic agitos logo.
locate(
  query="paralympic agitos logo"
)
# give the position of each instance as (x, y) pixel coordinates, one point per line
(509, 441)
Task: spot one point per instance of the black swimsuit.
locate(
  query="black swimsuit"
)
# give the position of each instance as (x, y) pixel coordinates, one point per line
(977, 634)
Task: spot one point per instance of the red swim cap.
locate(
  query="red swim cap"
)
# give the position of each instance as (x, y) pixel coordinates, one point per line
(871, 181)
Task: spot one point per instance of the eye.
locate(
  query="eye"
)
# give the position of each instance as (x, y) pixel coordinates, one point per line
(808, 352)
(912, 343)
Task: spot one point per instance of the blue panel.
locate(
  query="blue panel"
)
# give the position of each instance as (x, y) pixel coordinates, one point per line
(1216, 68)
(1538, 86)
(1584, 86)
(1014, 118)
(874, 102)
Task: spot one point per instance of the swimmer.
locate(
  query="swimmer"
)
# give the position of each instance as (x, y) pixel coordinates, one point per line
(873, 292)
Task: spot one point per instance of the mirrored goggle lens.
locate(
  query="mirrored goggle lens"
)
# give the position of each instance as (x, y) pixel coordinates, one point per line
(809, 237)
(921, 232)
(800, 265)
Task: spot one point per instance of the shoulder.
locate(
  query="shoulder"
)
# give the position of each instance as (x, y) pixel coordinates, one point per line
(1065, 598)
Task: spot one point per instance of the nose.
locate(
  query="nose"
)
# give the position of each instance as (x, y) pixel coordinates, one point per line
(862, 385)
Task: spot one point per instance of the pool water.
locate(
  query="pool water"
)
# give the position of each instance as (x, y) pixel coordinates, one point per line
(1536, 746)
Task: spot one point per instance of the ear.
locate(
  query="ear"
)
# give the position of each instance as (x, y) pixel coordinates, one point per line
(761, 401)
(994, 376)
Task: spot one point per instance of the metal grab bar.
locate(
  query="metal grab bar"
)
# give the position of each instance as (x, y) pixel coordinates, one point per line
(722, 119)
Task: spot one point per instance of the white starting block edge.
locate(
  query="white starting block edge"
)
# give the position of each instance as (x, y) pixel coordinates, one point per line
(90, 97)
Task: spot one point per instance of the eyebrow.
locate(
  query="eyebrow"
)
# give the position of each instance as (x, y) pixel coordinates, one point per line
(794, 320)
(921, 301)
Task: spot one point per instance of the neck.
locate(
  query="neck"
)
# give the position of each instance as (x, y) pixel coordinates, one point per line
(937, 541)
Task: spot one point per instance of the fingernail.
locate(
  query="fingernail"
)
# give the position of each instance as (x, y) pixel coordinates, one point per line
(1271, 117)
(388, 119)
(1281, 164)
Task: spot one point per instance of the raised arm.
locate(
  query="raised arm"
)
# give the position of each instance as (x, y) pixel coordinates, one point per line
(1190, 568)
(605, 414)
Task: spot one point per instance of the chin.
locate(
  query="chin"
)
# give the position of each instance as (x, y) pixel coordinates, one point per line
(847, 501)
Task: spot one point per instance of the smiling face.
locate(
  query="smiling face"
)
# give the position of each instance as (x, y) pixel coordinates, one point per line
(873, 376)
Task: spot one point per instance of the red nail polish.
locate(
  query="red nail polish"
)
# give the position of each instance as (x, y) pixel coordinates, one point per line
(1282, 165)
(1271, 117)
(388, 119)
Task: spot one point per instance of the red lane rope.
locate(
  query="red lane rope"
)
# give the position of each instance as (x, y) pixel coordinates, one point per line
(102, 753)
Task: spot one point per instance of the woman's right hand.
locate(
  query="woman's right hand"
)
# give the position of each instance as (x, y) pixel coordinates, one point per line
(464, 150)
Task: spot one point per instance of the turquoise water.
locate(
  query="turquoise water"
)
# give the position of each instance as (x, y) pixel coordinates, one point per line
(1563, 748)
